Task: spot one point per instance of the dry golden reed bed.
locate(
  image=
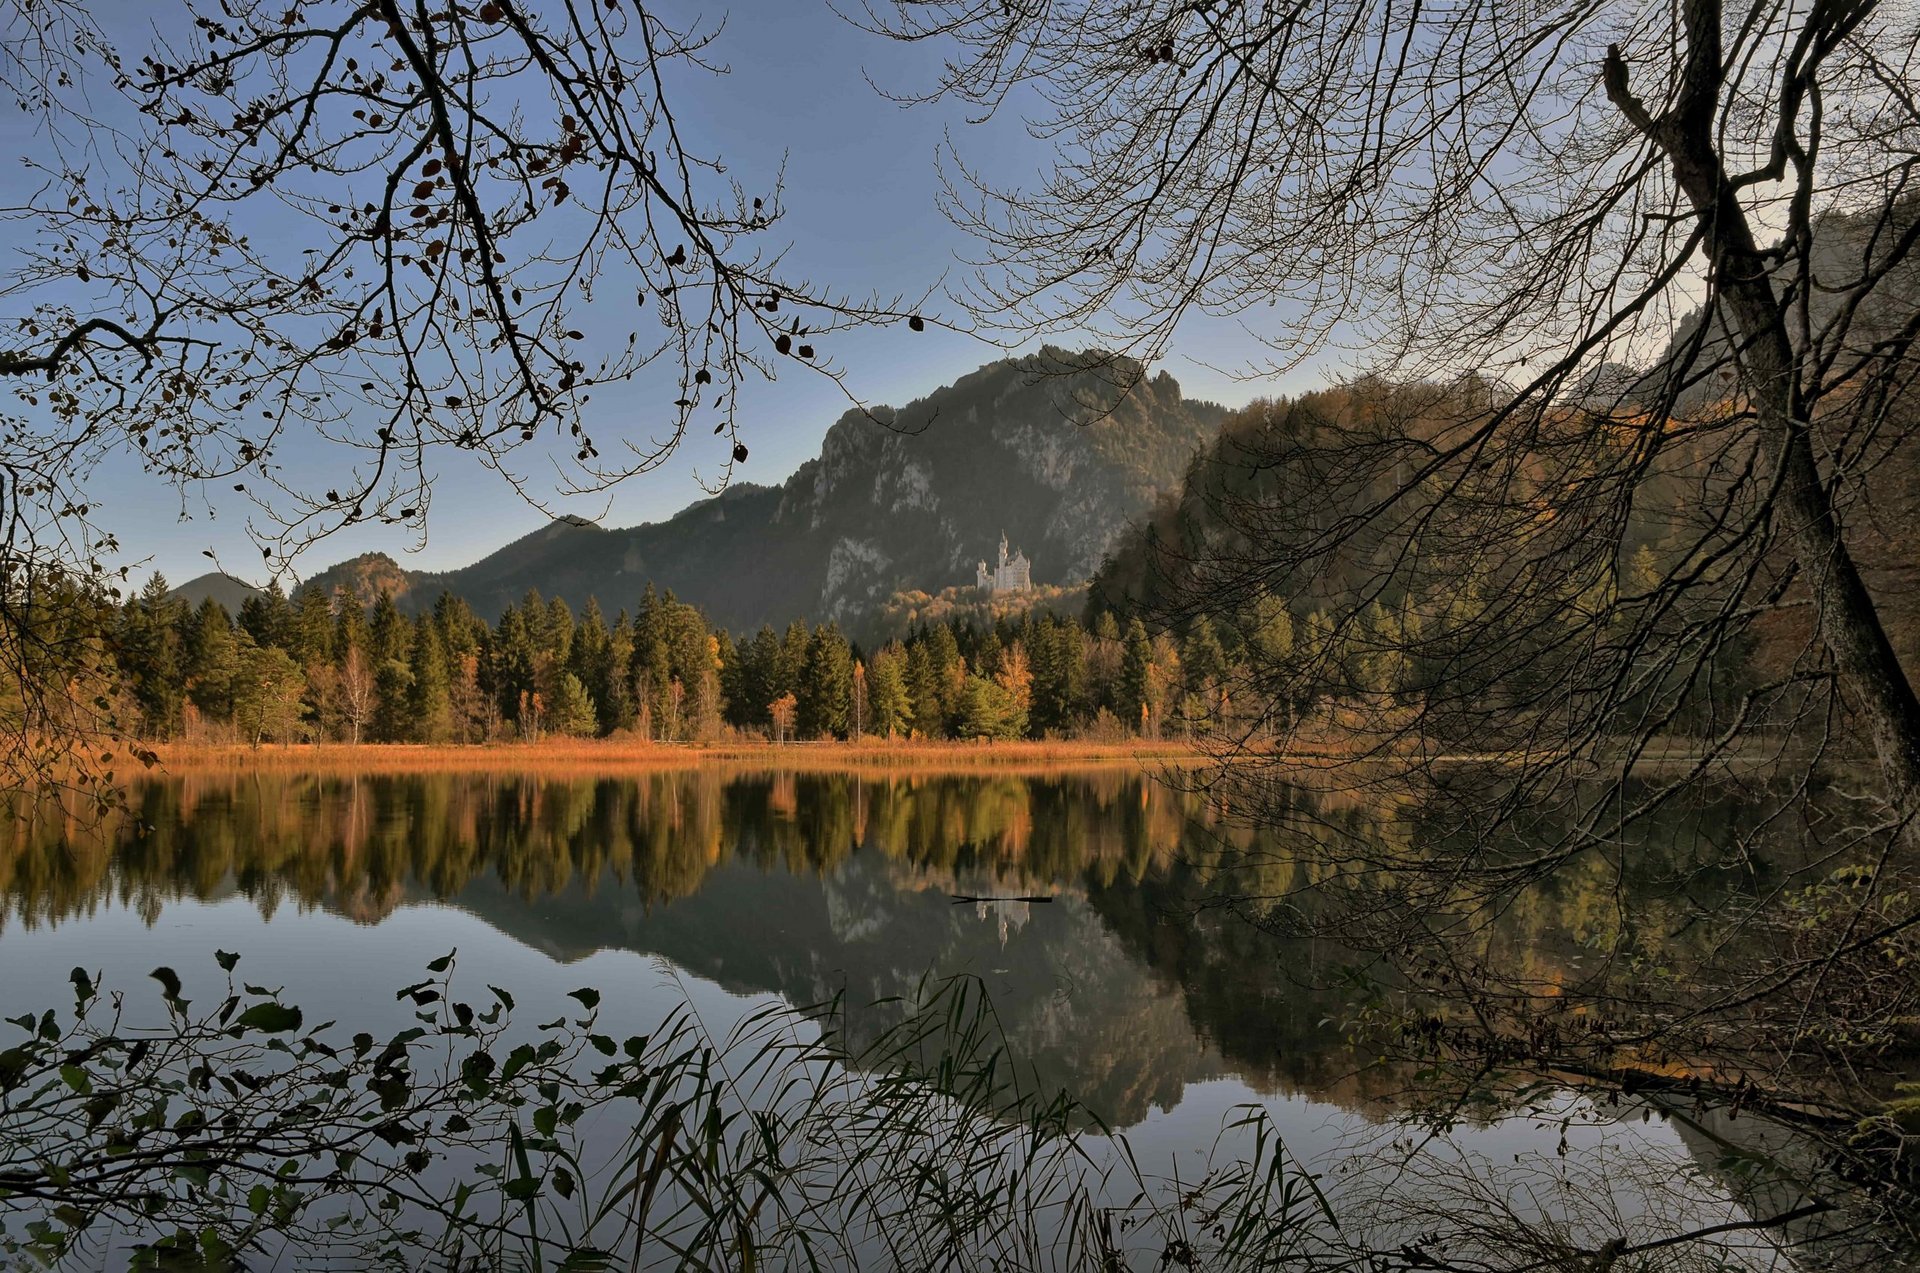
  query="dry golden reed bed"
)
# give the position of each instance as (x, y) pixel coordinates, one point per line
(576, 755)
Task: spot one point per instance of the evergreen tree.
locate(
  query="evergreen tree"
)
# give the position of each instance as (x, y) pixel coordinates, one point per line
(889, 704)
(572, 711)
(617, 707)
(515, 665)
(793, 659)
(310, 634)
(152, 657)
(350, 630)
(826, 686)
(1136, 677)
(988, 711)
(949, 678)
(268, 617)
(928, 717)
(430, 687)
(213, 660)
(1203, 665)
(590, 659)
(393, 695)
(388, 631)
(458, 628)
(556, 637)
(759, 678)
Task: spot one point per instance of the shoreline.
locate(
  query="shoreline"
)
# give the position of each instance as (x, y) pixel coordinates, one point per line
(627, 755)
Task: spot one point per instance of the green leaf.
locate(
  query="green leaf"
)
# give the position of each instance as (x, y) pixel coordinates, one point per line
(226, 959)
(271, 1018)
(169, 981)
(14, 1063)
(77, 1079)
(443, 963)
(524, 1189)
(257, 1198)
(587, 995)
(546, 1119)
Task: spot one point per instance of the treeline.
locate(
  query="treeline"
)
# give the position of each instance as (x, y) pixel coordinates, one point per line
(326, 668)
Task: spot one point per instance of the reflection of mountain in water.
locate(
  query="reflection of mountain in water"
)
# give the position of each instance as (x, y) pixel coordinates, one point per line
(806, 885)
(1074, 1003)
(802, 886)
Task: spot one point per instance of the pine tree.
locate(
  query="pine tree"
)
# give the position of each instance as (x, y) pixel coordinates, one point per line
(213, 660)
(988, 711)
(889, 704)
(390, 633)
(1203, 665)
(949, 677)
(758, 679)
(430, 688)
(793, 659)
(393, 693)
(826, 685)
(514, 662)
(556, 636)
(458, 628)
(350, 630)
(928, 717)
(617, 707)
(590, 659)
(1136, 677)
(310, 635)
(572, 711)
(153, 657)
(268, 617)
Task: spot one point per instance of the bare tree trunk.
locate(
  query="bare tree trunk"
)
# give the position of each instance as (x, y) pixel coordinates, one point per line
(1869, 673)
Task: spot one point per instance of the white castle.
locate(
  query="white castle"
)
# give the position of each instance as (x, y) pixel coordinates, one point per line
(1013, 574)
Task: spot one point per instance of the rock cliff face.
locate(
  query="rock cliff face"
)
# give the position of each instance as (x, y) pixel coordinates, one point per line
(1058, 450)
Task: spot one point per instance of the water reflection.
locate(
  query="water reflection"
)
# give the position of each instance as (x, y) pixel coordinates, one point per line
(797, 884)
(1119, 990)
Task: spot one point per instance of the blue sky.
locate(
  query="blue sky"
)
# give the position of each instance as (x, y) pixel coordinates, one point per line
(861, 187)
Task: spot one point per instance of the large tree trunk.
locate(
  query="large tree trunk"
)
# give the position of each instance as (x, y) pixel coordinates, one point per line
(1871, 679)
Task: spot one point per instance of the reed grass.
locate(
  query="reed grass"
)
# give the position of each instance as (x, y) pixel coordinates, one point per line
(573, 756)
(238, 1136)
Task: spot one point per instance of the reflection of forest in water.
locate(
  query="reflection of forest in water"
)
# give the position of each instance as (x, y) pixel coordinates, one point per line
(1121, 991)
(1132, 984)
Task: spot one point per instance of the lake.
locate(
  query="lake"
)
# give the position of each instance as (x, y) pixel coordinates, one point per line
(728, 889)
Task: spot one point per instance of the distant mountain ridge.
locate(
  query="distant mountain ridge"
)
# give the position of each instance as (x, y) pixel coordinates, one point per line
(1059, 450)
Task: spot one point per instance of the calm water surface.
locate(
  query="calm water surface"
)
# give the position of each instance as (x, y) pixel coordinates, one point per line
(732, 889)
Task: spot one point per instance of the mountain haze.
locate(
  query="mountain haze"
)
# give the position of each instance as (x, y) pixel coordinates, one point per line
(1049, 448)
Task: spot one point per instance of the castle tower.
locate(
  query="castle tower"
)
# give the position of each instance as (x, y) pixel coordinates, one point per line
(1011, 571)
